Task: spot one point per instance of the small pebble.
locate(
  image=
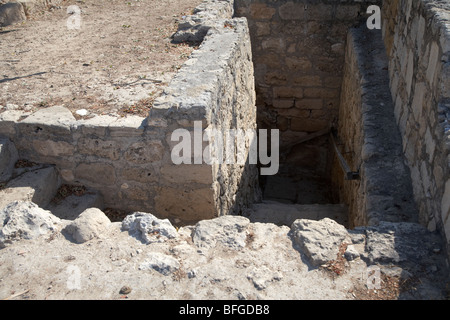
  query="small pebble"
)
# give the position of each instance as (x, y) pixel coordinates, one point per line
(125, 290)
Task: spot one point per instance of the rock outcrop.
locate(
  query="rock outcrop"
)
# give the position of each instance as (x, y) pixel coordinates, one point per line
(25, 220)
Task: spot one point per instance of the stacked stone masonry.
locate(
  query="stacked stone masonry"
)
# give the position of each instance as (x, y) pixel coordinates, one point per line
(369, 138)
(417, 39)
(282, 65)
(298, 50)
(129, 159)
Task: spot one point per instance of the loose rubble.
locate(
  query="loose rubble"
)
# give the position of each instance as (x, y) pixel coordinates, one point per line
(229, 257)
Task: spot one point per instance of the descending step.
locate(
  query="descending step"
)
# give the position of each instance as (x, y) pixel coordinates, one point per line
(38, 186)
(285, 214)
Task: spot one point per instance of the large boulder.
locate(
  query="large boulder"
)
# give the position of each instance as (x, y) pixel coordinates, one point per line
(25, 220)
(318, 240)
(90, 224)
(148, 228)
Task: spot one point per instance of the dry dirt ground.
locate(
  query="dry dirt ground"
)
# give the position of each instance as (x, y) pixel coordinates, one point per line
(120, 58)
(115, 266)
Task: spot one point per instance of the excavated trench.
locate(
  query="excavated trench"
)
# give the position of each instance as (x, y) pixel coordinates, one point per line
(298, 55)
(311, 62)
(307, 79)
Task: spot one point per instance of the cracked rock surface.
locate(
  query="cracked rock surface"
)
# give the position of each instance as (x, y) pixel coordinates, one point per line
(229, 257)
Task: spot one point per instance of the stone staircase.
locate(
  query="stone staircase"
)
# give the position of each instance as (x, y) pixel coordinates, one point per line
(41, 184)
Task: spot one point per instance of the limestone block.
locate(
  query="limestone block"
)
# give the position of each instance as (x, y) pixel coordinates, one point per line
(314, 104)
(275, 78)
(445, 80)
(58, 118)
(332, 82)
(144, 174)
(288, 92)
(185, 205)
(25, 220)
(308, 125)
(308, 81)
(11, 13)
(229, 231)
(397, 242)
(292, 11)
(283, 103)
(185, 173)
(282, 123)
(148, 228)
(319, 240)
(269, 59)
(51, 148)
(135, 192)
(298, 64)
(129, 126)
(8, 157)
(261, 11)
(101, 148)
(90, 224)
(321, 93)
(8, 119)
(445, 208)
(98, 173)
(38, 186)
(433, 62)
(145, 152)
(277, 44)
(97, 125)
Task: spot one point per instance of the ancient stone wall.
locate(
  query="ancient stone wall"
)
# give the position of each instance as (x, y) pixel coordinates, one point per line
(298, 52)
(369, 139)
(129, 159)
(417, 38)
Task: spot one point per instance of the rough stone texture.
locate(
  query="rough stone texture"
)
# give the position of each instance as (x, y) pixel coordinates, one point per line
(90, 224)
(24, 220)
(400, 242)
(268, 267)
(229, 231)
(8, 157)
(299, 57)
(38, 186)
(147, 228)
(369, 139)
(298, 53)
(417, 38)
(162, 263)
(195, 27)
(318, 240)
(72, 206)
(11, 13)
(217, 89)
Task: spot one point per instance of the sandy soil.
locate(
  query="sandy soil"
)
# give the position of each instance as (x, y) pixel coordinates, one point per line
(121, 57)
